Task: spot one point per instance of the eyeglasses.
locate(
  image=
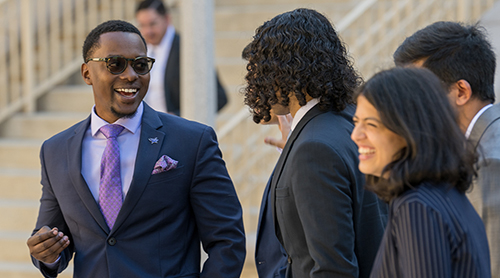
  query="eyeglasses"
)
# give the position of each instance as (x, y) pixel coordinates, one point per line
(118, 64)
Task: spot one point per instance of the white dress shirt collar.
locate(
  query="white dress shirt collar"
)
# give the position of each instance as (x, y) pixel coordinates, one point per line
(302, 111)
(131, 124)
(474, 120)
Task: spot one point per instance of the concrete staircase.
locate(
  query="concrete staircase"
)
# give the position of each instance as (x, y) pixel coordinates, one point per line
(20, 190)
(22, 136)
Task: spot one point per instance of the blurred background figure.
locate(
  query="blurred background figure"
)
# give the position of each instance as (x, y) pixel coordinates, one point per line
(462, 57)
(416, 158)
(163, 95)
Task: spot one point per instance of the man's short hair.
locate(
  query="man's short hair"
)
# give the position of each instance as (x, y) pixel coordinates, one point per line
(92, 41)
(453, 51)
(156, 5)
(298, 52)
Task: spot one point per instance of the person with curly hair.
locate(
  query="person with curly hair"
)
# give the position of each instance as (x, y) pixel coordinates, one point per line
(328, 225)
(416, 158)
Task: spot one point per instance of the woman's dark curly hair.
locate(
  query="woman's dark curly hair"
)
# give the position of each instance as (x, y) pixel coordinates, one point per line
(299, 52)
(413, 103)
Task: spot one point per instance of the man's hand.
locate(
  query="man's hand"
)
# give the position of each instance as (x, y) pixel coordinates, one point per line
(284, 124)
(47, 244)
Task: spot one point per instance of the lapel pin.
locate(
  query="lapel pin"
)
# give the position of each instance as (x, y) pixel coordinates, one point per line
(153, 140)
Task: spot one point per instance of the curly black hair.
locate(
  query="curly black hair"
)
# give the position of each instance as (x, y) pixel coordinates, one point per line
(92, 41)
(300, 52)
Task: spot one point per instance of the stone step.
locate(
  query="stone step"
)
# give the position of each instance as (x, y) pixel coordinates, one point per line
(249, 270)
(20, 183)
(222, 3)
(232, 71)
(230, 44)
(249, 17)
(69, 98)
(40, 125)
(20, 153)
(14, 246)
(18, 215)
(13, 269)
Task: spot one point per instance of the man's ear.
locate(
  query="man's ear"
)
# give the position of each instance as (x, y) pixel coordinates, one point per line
(463, 92)
(86, 74)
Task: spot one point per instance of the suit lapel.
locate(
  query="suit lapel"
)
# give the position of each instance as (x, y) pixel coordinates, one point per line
(485, 120)
(283, 157)
(263, 209)
(144, 162)
(171, 78)
(74, 158)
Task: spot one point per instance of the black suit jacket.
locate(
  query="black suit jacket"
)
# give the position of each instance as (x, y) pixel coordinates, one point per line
(172, 81)
(328, 224)
(164, 216)
(270, 257)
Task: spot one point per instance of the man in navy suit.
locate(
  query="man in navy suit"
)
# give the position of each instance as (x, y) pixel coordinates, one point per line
(174, 189)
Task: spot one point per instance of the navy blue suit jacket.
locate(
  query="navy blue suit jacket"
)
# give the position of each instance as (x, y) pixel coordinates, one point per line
(270, 257)
(164, 217)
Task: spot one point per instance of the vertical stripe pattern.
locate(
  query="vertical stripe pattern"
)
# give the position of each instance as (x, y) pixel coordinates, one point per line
(433, 231)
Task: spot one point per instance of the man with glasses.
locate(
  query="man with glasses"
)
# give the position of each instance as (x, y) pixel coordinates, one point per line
(163, 95)
(131, 192)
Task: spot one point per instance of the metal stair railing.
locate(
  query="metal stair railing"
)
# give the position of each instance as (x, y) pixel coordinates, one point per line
(372, 31)
(40, 44)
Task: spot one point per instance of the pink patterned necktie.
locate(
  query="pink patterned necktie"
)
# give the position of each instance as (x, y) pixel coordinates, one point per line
(110, 185)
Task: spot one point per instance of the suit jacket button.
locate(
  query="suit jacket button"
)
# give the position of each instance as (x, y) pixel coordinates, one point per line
(112, 241)
(289, 260)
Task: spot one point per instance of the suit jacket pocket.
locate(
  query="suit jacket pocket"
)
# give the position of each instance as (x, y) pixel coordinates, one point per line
(166, 176)
(282, 192)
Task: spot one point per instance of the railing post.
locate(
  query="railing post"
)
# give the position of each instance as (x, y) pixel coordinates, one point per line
(27, 48)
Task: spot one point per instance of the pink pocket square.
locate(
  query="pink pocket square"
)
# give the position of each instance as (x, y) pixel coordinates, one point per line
(165, 163)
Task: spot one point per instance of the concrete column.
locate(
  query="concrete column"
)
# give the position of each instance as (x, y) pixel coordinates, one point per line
(198, 88)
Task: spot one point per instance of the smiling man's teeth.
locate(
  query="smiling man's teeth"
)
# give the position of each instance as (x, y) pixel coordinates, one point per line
(127, 90)
(366, 150)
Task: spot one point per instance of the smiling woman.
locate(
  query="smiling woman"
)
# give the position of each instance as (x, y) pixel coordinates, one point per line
(415, 157)
(378, 145)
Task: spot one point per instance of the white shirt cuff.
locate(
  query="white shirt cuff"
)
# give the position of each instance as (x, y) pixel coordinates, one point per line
(54, 265)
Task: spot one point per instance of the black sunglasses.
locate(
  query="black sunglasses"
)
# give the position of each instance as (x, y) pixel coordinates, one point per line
(118, 64)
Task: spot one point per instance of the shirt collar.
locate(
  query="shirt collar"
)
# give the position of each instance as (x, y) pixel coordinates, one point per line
(131, 124)
(474, 120)
(302, 111)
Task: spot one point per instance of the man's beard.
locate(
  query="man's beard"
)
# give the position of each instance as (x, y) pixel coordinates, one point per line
(122, 115)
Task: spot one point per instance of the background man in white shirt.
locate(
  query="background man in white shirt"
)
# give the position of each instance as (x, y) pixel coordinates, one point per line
(164, 45)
